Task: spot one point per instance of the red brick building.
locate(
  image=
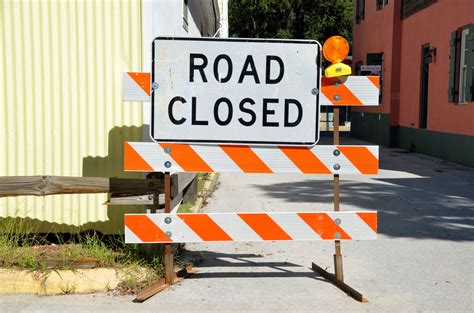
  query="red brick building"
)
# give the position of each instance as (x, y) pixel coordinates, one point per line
(426, 52)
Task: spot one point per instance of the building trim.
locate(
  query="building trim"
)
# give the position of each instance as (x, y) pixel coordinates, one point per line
(375, 128)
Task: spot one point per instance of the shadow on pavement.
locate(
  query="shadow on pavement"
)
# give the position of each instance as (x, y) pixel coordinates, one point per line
(265, 269)
(416, 196)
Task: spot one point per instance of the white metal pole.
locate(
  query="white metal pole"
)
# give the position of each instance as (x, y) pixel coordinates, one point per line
(224, 31)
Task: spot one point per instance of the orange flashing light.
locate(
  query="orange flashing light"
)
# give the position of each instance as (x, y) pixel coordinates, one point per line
(335, 50)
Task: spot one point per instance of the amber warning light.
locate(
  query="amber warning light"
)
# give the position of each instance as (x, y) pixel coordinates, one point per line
(335, 50)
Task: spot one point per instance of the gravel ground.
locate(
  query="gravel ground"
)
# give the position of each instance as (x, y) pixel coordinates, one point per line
(422, 260)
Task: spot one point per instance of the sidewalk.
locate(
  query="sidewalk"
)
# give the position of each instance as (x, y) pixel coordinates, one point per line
(422, 260)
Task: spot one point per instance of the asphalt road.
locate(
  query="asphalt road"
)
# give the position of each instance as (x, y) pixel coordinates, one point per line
(422, 260)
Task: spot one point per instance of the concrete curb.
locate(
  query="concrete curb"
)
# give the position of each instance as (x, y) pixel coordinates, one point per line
(56, 282)
(208, 186)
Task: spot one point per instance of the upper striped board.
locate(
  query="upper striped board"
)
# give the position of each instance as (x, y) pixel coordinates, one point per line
(136, 86)
(263, 226)
(319, 159)
(337, 91)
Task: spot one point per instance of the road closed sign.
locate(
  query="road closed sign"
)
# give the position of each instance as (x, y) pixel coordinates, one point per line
(235, 91)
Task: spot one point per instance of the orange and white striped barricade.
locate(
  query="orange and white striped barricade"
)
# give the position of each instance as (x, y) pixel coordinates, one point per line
(336, 91)
(234, 227)
(324, 159)
(136, 86)
(181, 147)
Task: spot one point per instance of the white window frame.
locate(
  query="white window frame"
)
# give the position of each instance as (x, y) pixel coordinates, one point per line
(463, 67)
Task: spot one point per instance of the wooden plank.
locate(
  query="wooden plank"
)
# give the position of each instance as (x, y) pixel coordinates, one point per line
(132, 200)
(146, 200)
(80, 263)
(51, 185)
(128, 186)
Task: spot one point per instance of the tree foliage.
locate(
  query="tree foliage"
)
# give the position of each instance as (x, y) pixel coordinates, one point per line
(297, 19)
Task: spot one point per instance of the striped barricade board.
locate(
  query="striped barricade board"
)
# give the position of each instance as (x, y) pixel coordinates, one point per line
(336, 91)
(136, 86)
(234, 227)
(324, 159)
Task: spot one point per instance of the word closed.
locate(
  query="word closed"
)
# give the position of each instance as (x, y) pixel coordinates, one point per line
(235, 91)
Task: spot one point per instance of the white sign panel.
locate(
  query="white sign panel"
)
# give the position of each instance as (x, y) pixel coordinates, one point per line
(236, 91)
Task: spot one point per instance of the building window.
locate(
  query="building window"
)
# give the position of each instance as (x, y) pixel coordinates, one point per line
(377, 59)
(380, 4)
(358, 68)
(461, 66)
(185, 14)
(410, 7)
(360, 11)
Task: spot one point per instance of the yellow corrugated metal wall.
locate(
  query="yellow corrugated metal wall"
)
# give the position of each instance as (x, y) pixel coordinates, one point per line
(61, 113)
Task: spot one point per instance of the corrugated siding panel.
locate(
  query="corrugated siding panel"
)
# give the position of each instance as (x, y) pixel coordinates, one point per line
(61, 111)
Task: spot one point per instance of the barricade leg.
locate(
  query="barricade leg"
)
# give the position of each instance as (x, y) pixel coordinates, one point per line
(338, 255)
(170, 276)
(338, 278)
(169, 273)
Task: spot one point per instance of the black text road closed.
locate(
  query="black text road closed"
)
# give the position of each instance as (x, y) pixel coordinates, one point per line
(238, 91)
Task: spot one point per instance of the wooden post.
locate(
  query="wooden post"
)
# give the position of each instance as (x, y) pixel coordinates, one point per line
(338, 254)
(168, 249)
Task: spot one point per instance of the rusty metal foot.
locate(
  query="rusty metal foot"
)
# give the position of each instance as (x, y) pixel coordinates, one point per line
(340, 284)
(161, 285)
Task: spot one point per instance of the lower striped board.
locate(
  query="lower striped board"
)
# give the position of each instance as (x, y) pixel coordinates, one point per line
(319, 159)
(289, 226)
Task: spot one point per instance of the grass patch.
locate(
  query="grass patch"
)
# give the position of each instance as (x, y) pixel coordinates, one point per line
(21, 247)
(202, 179)
(204, 193)
(49, 252)
(186, 207)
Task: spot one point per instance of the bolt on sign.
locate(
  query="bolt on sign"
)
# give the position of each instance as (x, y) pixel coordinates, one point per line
(237, 91)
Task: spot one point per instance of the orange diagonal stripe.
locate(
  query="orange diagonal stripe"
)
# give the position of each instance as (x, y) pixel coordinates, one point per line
(375, 80)
(264, 226)
(142, 80)
(205, 227)
(370, 218)
(145, 229)
(305, 160)
(246, 159)
(361, 158)
(345, 96)
(187, 158)
(323, 225)
(132, 161)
